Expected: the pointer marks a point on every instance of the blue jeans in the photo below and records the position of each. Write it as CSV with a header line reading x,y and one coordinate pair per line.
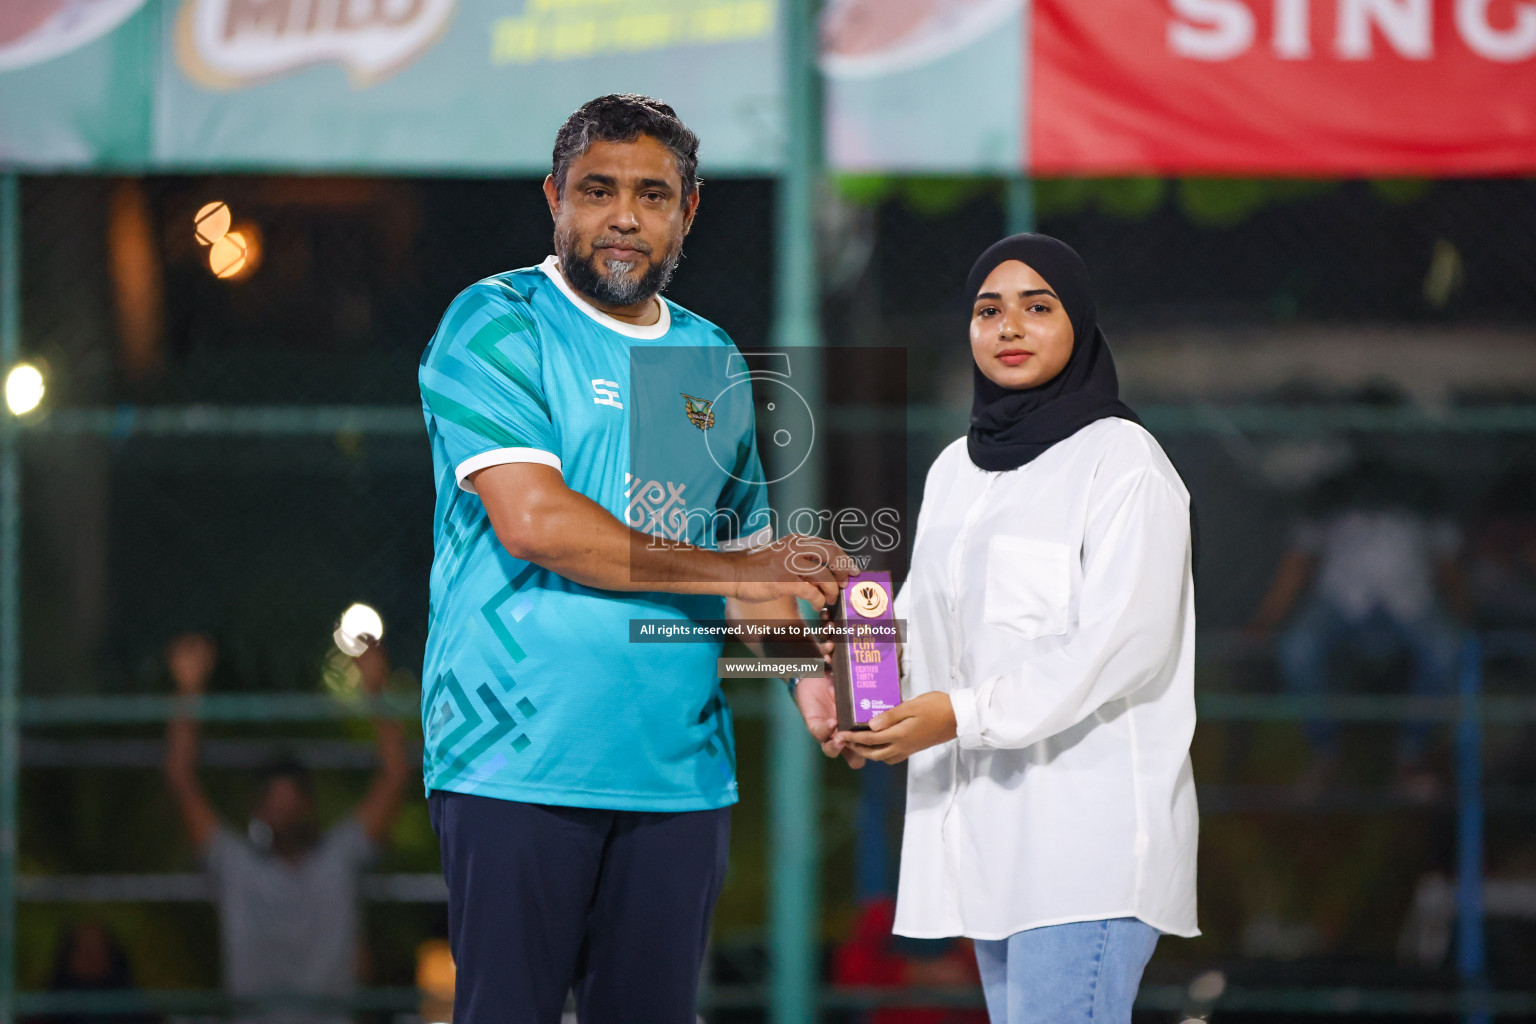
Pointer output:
x,y
1306,648
1066,973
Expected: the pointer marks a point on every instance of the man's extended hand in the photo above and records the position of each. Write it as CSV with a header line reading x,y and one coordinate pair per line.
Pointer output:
x,y
817,700
796,565
813,695
913,725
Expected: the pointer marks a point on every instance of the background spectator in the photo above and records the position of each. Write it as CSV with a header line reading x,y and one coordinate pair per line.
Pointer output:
x,y
89,958
1371,570
1501,573
287,893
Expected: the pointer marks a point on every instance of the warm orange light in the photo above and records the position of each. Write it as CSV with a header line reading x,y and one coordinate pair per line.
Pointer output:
x,y
435,979
237,253
212,222
226,257
434,969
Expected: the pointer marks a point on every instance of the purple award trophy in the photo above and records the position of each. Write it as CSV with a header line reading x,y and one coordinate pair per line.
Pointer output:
x,y
865,675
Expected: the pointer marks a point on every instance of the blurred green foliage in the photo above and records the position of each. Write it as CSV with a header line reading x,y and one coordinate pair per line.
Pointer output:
x,y
1208,202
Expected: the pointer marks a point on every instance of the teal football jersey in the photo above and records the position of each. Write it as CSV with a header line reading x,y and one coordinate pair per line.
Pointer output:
x,y
533,687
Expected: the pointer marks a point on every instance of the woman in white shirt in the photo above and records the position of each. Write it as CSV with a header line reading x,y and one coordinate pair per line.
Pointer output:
x,y
1049,666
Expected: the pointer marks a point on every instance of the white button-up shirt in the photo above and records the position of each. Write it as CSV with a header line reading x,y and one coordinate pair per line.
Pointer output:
x,y
1054,604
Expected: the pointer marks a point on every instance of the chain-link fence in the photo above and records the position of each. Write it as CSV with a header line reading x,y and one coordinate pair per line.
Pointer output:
x,y
244,455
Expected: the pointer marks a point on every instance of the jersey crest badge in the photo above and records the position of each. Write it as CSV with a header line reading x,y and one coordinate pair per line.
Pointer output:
x,y
700,411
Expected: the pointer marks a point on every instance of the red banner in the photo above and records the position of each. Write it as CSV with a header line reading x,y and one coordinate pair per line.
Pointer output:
x,y
1336,87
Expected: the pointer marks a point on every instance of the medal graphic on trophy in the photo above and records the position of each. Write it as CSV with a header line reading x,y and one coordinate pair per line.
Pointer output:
x,y
868,598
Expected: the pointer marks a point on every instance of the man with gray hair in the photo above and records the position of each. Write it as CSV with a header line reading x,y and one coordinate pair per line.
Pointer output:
x,y
579,778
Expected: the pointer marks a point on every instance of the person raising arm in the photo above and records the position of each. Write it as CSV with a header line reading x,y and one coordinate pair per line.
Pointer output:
x,y
190,658
380,806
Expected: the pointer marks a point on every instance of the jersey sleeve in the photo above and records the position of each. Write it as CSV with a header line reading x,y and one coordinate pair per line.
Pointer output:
x,y
481,385
743,516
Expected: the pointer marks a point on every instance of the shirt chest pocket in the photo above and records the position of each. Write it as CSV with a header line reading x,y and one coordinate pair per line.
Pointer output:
x,y
1029,585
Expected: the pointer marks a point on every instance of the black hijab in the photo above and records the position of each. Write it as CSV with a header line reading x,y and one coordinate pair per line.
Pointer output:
x,y
1011,426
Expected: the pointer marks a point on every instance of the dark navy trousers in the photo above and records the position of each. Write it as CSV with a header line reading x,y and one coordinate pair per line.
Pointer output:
x,y
542,900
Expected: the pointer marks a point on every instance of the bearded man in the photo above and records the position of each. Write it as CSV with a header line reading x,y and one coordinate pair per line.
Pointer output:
x,y
595,472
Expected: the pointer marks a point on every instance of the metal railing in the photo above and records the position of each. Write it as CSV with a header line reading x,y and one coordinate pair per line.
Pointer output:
x,y
1473,1001
1467,711
795,848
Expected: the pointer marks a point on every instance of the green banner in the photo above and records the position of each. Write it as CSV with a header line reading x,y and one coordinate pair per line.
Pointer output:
x,y
76,83
934,87
479,86
475,86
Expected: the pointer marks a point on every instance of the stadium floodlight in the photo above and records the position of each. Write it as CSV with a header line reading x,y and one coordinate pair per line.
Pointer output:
x,y
359,627
24,389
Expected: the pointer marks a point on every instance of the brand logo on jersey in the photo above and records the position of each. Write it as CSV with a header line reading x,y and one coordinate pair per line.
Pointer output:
x,y
606,392
656,508
700,411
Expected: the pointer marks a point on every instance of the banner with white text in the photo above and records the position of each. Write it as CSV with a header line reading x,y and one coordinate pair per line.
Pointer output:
x,y
1282,87
1052,87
